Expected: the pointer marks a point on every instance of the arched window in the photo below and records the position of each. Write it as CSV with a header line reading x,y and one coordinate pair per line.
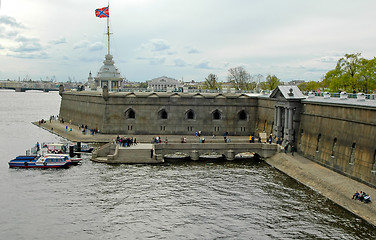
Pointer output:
x,y
130,113
242,115
265,123
162,114
216,115
352,156
318,142
190,114
334,146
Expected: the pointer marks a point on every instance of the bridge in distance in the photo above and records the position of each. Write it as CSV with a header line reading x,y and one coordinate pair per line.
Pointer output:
x,y
45,86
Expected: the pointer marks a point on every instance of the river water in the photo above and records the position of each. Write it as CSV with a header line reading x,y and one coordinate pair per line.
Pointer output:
x,y
167,201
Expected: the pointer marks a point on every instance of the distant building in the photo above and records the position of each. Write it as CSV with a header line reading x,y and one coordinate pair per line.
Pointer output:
x,y
164,83
295,82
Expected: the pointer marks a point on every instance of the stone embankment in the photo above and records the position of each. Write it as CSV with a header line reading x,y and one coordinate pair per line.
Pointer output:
x,y
330,184
336,187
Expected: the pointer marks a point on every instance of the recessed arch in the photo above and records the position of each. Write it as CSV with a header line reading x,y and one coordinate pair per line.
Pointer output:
x,y
190,114
242,115
162,114
130,113
352,155
334,146
318,142
216,115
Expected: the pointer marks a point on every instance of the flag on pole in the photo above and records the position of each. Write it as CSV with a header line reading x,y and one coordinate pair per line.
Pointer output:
x,y
102,12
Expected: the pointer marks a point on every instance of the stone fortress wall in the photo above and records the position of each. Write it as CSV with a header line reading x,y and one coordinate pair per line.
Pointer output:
x,y
339,136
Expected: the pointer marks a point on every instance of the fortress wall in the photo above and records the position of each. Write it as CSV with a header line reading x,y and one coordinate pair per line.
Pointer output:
x,y
265,116
83,109
111,116
347,141
147,110
340,137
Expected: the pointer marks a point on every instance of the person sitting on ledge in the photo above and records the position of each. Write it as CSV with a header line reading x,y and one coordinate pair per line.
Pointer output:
x,y
356,195
367,198
361,196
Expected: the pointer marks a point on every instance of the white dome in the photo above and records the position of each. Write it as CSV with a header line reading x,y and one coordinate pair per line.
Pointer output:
x,y
108,71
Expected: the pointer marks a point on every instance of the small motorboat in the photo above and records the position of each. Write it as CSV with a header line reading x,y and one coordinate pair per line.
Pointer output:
x,y
47,161
245,156
62,149
212,156
175,157
82,148
248,156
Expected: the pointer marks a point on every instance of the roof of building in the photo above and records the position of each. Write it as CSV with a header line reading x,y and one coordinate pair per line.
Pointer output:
x,y
108,71
165,80
287,92
341,101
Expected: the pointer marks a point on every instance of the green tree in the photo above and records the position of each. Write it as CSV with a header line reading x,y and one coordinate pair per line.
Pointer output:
x,y
271,82
211,82
367,75
346,74
240,78
309,86
143,85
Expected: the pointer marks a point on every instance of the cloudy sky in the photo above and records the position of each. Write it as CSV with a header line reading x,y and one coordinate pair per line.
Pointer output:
x,y
292,39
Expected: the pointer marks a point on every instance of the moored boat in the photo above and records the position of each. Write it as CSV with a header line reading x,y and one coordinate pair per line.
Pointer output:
x,y
47,161
63,150
82,148
212,156
245,156
174,157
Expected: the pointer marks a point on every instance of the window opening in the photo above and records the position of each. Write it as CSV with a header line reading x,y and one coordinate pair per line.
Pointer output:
x,y
318,142
216,115
352,155
334,146
242,115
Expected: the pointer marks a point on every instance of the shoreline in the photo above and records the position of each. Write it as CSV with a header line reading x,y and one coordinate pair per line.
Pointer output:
x,y
334,186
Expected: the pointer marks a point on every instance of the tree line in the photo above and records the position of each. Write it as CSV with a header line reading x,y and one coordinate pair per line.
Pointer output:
x,y
351,74
242,80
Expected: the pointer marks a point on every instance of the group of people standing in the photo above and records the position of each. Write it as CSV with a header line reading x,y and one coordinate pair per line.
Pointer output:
x,y
126,141
158,139
362,196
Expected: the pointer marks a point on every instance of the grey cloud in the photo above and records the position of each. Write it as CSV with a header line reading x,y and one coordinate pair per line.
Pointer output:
x,y
96,46
84,44
160,45
27,44
156,45
59,41
28,47
10,21
153,60
329,59
26,39
40,55
192,51
204,65
180,62
81,44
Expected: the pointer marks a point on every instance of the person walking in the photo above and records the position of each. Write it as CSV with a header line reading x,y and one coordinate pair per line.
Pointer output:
x,y
292,149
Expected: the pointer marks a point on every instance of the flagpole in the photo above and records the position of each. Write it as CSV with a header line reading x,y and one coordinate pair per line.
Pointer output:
x,y
108,31
108,35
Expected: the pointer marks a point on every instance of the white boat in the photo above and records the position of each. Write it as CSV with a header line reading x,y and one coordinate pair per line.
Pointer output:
x,y
47,161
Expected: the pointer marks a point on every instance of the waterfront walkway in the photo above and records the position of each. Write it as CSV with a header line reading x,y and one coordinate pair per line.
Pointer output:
x,y
330,184
76,135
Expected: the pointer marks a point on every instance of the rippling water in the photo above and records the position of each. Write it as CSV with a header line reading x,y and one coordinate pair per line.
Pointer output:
x,y
168,201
